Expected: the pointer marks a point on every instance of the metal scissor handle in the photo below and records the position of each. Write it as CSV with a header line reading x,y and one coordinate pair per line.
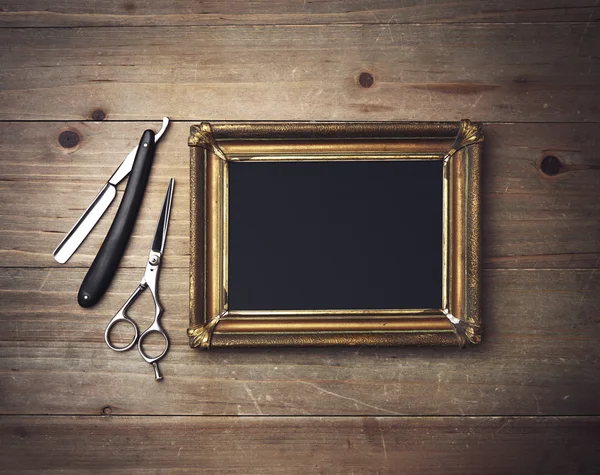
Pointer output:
x,y
154,328
122,316
150,280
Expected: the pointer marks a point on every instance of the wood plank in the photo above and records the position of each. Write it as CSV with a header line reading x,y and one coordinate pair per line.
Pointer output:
x,y
533,220
528,217
539,355
490,72
300,445
214,12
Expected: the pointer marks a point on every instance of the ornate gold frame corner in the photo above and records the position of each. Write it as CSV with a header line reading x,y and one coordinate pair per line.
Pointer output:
x,y
214,145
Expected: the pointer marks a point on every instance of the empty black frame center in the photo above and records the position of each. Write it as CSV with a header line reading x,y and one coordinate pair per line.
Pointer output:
x,y
335,235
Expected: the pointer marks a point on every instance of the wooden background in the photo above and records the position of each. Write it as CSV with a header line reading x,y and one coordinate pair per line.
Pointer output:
x,y
525,401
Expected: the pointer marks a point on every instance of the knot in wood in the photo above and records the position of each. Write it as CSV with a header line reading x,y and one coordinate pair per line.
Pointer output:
x,y
366,80
68,139
550,165
98,115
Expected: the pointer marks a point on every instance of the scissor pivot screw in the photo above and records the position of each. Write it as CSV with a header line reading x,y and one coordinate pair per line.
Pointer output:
x,y
154,259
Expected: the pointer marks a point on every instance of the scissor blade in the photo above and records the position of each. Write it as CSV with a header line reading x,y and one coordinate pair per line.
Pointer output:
x,y
84,225
160,236
125,167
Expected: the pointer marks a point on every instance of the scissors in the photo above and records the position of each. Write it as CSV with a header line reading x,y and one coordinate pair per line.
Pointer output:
x,y
149,281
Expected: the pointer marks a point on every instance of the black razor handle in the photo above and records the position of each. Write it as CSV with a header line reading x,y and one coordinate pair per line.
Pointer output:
x,y
104,267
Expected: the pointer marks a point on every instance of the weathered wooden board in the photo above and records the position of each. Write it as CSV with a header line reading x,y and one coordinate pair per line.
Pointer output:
x,y
533,220
274,445
539,356
137,60
214,12
529,218
489,72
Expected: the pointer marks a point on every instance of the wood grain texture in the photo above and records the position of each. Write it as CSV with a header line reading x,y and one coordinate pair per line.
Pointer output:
x,y
300,445
239,12
539,356
528,219
528,70
537,72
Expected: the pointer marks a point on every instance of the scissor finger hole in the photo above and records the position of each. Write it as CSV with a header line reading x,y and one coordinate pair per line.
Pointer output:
x,y
153,344
121,334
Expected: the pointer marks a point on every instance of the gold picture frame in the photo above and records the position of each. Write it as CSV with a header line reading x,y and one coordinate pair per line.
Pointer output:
x,y
214,145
